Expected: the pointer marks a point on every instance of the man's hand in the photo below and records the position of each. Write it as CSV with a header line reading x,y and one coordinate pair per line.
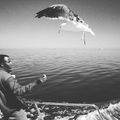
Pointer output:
x,y
43,78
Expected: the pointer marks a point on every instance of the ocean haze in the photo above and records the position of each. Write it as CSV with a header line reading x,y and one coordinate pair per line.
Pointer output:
x,y
74,75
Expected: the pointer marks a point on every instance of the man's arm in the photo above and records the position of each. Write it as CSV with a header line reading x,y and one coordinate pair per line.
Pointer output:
x,y
19,89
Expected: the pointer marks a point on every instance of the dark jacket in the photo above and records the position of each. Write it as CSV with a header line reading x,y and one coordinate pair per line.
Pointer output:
x,y
11,90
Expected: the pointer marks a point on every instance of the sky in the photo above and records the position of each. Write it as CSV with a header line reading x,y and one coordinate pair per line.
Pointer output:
x,y
20,29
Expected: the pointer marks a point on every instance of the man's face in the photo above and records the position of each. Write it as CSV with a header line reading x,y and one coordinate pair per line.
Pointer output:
x,y
7,63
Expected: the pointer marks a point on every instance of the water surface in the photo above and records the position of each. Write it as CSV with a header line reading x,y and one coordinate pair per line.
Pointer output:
x,y
74,75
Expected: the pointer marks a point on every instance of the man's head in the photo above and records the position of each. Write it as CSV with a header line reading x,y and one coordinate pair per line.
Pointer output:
x,y
5,62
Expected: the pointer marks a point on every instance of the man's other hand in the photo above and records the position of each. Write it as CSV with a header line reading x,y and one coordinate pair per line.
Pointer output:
x,y
43,78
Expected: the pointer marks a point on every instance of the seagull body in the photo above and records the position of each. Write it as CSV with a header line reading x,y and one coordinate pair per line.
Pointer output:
x,y
62,12
76,26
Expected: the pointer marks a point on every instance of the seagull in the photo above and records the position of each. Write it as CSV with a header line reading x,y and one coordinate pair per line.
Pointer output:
x,y
73,21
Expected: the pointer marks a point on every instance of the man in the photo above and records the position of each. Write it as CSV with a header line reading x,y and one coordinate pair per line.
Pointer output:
x,y
10,91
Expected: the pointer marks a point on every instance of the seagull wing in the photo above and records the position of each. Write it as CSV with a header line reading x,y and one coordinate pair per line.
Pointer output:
x,y
54,11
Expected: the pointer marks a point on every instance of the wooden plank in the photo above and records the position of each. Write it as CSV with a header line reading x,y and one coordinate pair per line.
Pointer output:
x,y
64,104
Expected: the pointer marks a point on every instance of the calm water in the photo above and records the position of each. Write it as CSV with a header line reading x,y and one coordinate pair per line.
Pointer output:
x,y
74,75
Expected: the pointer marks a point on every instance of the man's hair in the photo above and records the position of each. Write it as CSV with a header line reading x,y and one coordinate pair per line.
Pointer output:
x,y
2,58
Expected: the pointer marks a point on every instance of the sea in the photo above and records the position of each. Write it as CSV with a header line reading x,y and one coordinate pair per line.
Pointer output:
x,y
74,75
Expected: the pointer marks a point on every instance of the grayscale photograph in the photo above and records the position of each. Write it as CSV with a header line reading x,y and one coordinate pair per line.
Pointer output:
x,y
59,60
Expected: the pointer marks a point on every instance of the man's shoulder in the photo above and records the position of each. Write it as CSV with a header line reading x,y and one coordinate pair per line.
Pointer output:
x,y
4,75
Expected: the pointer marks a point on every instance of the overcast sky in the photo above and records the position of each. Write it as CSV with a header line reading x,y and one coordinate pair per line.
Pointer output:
x,y
20,29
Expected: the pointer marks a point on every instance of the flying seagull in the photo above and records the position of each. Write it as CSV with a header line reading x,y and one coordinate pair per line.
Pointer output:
x,y
62,12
